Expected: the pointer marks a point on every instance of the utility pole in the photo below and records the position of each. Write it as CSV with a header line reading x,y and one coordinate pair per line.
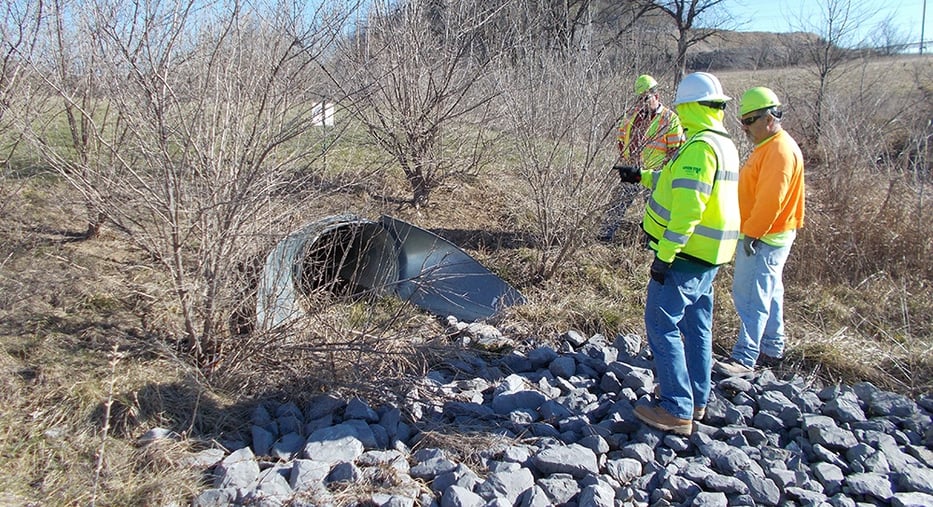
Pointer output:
x,y
923,22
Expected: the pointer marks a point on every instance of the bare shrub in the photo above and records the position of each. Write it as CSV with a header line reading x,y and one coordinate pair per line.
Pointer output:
x,y
867,187
18,31
860,261
837,26
413,75
343,344
184,123
561,124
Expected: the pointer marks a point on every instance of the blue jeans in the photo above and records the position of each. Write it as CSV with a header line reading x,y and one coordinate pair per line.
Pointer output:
x,y
682,306
758,293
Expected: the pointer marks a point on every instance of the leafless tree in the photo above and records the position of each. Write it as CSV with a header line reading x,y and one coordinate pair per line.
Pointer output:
x,y
887,38
19,24
413,75
837,26
559,110
69,67
185,120
695,21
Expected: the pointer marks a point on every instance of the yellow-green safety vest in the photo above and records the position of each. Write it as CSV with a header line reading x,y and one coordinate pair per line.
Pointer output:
x,y
693,212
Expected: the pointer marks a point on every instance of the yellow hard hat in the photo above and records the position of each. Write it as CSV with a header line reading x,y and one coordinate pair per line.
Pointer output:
x,y
757,98
644,83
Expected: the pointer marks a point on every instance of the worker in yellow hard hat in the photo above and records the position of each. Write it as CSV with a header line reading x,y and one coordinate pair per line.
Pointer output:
x,y
771,201
648,137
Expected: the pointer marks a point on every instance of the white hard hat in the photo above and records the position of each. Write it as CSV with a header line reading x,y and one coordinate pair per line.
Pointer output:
x,y
700,86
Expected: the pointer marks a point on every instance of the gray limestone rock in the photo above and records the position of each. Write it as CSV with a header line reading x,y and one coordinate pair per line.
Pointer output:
x,y
911,500
203,459
805,496
597,495
359,409
870,485
430,468
886,403
832,437
916,479
262,440
567,418
572,459
725,458
508,485
389,500
559,488
629,345
335,444
574,338
308,475
216,497
271,488
830,476
324,405
844,410
286,447
760,488
624,470
563,367
710,499
456,496
461,476
238,470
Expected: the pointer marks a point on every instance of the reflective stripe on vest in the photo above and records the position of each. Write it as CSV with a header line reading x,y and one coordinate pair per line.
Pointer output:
x,y
713,240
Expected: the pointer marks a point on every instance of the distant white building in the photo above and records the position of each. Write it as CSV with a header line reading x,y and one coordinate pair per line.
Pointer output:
x,y
322,114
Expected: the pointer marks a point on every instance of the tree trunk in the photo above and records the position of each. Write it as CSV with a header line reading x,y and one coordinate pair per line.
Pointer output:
x,y
421,191
94,224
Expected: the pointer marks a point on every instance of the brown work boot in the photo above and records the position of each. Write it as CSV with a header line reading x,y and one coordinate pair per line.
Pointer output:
x,y
732,368
770,362
657,417
698,412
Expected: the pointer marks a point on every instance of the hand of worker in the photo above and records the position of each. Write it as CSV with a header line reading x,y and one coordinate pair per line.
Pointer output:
x,y
659,270
628,173
750,245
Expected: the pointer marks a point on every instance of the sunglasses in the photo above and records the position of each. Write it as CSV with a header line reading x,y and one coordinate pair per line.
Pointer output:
x,y
751,119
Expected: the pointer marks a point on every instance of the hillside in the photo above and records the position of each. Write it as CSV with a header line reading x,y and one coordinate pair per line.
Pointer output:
x,y
731,50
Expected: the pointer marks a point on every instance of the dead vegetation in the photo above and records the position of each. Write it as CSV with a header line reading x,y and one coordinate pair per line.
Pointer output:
x,y
95,347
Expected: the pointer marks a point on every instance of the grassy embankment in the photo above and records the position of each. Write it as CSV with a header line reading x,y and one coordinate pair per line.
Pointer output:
x,y
79,336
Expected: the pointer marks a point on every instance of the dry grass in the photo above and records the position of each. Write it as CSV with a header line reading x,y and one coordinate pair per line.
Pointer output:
x,y
470,448
859,307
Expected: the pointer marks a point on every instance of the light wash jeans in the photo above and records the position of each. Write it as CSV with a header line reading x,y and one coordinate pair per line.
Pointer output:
x,y
683,305
758,294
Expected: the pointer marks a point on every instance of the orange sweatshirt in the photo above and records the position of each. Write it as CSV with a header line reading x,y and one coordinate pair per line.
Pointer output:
x,y
771,189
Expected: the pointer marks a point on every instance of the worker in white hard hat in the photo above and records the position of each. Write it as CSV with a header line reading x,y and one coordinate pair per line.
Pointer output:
x,y
692,223
648,138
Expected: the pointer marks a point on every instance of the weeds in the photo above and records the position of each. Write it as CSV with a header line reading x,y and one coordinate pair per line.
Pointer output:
x,y
105,430
859,307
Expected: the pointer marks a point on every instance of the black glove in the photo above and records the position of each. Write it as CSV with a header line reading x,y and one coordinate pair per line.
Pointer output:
x,y
628,173
659,270
750,245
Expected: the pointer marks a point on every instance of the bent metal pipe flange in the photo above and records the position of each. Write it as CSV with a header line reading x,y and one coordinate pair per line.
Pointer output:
x,y
349,255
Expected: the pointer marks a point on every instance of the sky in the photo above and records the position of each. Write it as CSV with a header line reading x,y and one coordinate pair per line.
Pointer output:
x,y
785,15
